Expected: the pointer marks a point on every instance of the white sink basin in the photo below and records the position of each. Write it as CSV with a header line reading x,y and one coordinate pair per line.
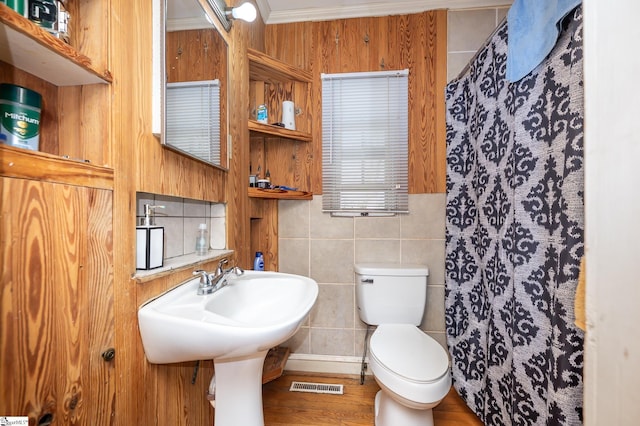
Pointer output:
x,y
252,313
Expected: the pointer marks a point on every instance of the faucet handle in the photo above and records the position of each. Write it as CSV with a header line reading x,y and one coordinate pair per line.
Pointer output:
x,y
204,277
222,262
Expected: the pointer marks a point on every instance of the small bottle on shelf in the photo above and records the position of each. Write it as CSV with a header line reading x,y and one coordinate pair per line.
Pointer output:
x,y
258,262
202,245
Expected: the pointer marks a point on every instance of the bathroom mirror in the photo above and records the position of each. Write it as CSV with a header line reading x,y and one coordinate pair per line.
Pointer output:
x,y
194,92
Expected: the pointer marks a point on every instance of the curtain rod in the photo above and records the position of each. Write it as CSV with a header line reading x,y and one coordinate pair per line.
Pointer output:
x,y
486,42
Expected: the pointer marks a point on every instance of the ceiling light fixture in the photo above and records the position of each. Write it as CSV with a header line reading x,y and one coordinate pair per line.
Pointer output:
x,y
246,12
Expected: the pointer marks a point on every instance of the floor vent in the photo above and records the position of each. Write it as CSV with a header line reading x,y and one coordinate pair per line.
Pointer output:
x,y
316,388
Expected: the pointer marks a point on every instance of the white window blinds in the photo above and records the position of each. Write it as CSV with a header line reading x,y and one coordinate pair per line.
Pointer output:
x,y
193,118
365,143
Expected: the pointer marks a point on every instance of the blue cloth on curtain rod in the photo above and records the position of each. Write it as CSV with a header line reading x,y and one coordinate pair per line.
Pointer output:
x,y
514,234
534,26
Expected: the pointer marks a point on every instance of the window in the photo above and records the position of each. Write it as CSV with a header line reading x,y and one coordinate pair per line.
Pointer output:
x,y
193,118
365,143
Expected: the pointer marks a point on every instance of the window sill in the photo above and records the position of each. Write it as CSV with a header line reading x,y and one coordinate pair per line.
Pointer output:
x,y
179,263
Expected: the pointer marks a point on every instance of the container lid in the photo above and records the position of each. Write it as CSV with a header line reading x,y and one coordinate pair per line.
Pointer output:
x,y
392,269
408,352
202,226
19,94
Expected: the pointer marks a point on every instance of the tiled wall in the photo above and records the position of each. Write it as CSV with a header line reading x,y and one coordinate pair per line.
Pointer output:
x,y
181,218
325,248
467,31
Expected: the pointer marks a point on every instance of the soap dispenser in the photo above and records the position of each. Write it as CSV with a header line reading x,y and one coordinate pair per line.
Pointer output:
x,y
149,241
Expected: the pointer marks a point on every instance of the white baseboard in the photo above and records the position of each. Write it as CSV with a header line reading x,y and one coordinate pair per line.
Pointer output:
x,y
325,364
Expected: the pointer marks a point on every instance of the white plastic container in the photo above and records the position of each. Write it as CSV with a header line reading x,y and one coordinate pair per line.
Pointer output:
x,y
258,262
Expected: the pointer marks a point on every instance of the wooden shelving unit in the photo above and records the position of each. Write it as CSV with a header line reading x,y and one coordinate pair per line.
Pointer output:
x,y
273,81
267,71
282,152
33,51
30,48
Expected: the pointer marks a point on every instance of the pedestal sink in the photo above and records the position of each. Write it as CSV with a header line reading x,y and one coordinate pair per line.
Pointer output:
x,y
235,326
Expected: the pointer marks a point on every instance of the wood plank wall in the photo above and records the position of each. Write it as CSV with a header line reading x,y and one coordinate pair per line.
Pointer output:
x,y
165,394
55,246
416,42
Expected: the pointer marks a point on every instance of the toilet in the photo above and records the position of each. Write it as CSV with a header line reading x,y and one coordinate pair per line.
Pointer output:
x,y
410,367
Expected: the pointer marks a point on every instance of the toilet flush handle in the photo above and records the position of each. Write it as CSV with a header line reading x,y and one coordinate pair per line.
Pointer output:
x,y
366,280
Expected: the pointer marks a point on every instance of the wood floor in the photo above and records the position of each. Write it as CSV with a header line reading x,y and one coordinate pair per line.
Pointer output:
x,y
354,408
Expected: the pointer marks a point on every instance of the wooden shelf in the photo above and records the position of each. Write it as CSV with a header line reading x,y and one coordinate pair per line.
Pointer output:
x,y
269,129
265,68
279,194
30,48
24,164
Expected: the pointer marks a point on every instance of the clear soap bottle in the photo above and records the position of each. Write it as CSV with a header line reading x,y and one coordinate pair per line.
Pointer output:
x,y
202,245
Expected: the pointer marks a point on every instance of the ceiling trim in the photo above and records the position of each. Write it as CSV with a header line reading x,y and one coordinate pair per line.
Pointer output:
x,y
264,8
182,24
371,9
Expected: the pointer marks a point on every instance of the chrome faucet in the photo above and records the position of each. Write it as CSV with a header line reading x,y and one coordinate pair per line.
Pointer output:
x,y
210,283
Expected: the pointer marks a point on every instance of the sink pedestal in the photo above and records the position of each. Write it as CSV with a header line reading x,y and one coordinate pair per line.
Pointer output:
x,y
238,393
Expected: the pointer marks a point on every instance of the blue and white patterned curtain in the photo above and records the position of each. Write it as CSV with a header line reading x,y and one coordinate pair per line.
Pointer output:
x,y
515,224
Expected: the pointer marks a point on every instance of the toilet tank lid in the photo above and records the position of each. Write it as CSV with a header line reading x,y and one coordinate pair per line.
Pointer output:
x,y
392,269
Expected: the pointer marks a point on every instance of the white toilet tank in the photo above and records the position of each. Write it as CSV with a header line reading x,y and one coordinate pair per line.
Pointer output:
x,y
391,293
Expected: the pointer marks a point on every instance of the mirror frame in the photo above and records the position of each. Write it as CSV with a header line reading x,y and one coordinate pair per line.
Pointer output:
x,y
160,75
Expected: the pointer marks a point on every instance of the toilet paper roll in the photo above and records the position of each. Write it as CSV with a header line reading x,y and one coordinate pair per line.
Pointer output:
x,y
288,115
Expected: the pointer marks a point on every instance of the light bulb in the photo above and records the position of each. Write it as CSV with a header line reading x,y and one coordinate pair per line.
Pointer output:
x,y
246,12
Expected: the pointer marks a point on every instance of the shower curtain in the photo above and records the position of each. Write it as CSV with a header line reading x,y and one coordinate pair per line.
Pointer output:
x,y
514,234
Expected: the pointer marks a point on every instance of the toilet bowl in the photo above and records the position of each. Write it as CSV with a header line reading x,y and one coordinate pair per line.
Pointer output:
x,y
410,367
412,371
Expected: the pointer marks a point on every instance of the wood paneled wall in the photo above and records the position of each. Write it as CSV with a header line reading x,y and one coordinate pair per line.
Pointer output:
x,y
149,394
57,302
416,42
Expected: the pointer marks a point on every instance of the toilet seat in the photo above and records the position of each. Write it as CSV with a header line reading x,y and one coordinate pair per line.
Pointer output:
x,y
410,363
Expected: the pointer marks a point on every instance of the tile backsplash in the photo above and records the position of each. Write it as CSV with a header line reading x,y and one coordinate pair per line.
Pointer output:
x,y
181,218
325,248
